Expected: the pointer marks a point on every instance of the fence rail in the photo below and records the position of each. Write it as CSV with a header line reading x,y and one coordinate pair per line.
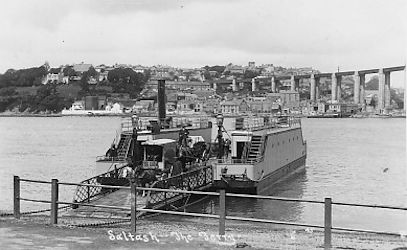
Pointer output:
x,y
222,204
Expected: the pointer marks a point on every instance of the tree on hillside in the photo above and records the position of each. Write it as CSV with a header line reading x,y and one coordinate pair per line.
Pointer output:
x,y
23,77
216,68
248,74
126,80
69,71
373,83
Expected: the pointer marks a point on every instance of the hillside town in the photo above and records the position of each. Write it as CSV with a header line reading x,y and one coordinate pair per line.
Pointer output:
x,y
230,89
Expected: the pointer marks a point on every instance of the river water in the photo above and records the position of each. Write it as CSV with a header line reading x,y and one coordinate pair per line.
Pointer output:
x,y
346,161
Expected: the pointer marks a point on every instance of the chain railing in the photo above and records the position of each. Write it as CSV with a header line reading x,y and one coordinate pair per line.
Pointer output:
x,y
195,179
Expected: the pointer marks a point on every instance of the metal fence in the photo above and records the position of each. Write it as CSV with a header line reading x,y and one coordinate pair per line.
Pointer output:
x,y
221,216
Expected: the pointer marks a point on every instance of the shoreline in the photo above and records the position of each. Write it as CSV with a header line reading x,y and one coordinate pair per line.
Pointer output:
x,y
173,232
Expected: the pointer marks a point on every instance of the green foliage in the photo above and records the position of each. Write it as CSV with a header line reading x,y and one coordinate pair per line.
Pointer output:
x,y
373,83
69,71
207,75
398,99
8,91
216,68
126,80
248,74
22,77
46,99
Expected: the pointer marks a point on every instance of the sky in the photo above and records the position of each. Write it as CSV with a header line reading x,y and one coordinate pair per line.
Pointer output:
x,y
323,34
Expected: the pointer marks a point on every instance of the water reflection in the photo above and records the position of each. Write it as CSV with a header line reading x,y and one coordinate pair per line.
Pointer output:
x,y
291,187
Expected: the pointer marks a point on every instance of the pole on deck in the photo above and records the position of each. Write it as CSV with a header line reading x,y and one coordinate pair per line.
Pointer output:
x,y
133,206
222,211
54,201
16,197
328,224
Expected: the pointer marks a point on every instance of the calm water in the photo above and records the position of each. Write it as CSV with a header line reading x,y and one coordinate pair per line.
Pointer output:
x,y
346,159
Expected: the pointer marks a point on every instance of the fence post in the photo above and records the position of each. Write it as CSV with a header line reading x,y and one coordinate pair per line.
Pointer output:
x,y
133,206
222,211
16,197
328,223
54,201
88,191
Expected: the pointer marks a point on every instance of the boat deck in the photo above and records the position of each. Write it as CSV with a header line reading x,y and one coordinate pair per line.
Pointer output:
x,y
119,198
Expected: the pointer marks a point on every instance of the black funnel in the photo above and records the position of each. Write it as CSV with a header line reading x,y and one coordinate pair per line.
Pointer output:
x,y
161,101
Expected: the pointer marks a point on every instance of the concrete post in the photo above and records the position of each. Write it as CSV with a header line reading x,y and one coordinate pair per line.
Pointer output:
x,y
312,88
273,84
339,88
333,87
381,91
253,84
387,100
234,87
362,89
356,88
292,83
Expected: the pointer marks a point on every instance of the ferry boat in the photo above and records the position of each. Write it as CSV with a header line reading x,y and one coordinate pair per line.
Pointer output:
x,y
248,153
263,151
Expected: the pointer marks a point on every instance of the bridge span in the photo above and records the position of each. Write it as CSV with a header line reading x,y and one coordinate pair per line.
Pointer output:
x,y
359,77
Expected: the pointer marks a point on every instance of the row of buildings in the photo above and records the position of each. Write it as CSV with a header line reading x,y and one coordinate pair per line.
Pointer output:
x,y
230,71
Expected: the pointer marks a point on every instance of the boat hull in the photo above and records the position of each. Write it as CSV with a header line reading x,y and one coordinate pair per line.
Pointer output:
x,y
264,185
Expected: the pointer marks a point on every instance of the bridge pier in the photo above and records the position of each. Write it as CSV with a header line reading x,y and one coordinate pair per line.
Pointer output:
x,y
292,83
356,88
381,91
312,88
273,84
339,88
362,88
387,101
405,88
253,84
333,87
317,89
234,86
297,84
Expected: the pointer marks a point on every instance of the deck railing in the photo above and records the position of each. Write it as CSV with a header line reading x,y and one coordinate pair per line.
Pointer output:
x,y
84,193
194,179
327,203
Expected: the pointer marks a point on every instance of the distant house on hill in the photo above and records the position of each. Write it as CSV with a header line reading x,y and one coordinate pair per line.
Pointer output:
x,y
82,67
234,106
55,75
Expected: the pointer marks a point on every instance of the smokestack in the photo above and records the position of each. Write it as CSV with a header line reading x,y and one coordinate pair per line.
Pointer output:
x,y
161,101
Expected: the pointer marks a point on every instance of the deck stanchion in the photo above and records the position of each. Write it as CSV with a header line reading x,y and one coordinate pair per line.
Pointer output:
x,y
54,201
133,206
16,197
222,211
328,223
88,192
